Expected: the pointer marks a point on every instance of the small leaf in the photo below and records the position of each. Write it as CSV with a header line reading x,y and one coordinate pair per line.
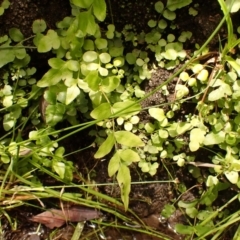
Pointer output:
x,y
214,138
128,155
56,63
101,43
197,137
99,9
110,83
93,80
50,78
168,210
159,7
124,181
232,176
20,53
105,147
128,139
103,111
184,229
16,35
39,26
105,57
114,164
8,122
126,108
220,92
90,56
182,127
46,43
59,168
82,3
54,113
6,55
72,93
103,72
157,113
175,4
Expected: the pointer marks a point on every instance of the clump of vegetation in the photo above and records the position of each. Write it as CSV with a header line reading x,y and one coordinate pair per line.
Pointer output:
x,y
92,75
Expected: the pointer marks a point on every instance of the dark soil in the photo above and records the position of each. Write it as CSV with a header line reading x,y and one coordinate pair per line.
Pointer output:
x,y
147,200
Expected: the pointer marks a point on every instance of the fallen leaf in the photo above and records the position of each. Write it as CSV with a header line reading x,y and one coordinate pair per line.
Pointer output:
x,y
56,217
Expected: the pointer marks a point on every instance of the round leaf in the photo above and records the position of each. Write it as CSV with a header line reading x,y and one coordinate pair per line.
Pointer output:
x,y
157,113
39,26
101,43
16,35
90,56
103,111
105,57
159,7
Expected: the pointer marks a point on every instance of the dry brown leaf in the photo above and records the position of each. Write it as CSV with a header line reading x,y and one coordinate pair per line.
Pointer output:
x,y
56,218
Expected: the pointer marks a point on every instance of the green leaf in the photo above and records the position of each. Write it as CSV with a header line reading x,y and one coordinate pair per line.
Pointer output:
x,y
232,176
168,210
101,43
6,55
39,26
159,7
79,26
7,101
110,83
54,113
16,35
72,93
233,5
103,111
126,108
93,80
220,92
72,65
4,157
175,4
182,127
184,229
46,43
116,51
157,113
56,63
103,72
131,58
8,122
105,57
82,3
128,139
129,156
5,4
20,53
124,181
59,168
99,9
106,146
114,164
197,137
234,64
214,138
91,26
52,77
90,56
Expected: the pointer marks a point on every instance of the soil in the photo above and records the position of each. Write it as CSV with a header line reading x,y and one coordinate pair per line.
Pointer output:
x,y
146,200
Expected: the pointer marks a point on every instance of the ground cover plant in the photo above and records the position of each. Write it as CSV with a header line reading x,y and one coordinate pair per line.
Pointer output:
x,y
115,113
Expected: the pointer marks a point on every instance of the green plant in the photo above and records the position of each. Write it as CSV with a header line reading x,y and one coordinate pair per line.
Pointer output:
x,y
93,75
